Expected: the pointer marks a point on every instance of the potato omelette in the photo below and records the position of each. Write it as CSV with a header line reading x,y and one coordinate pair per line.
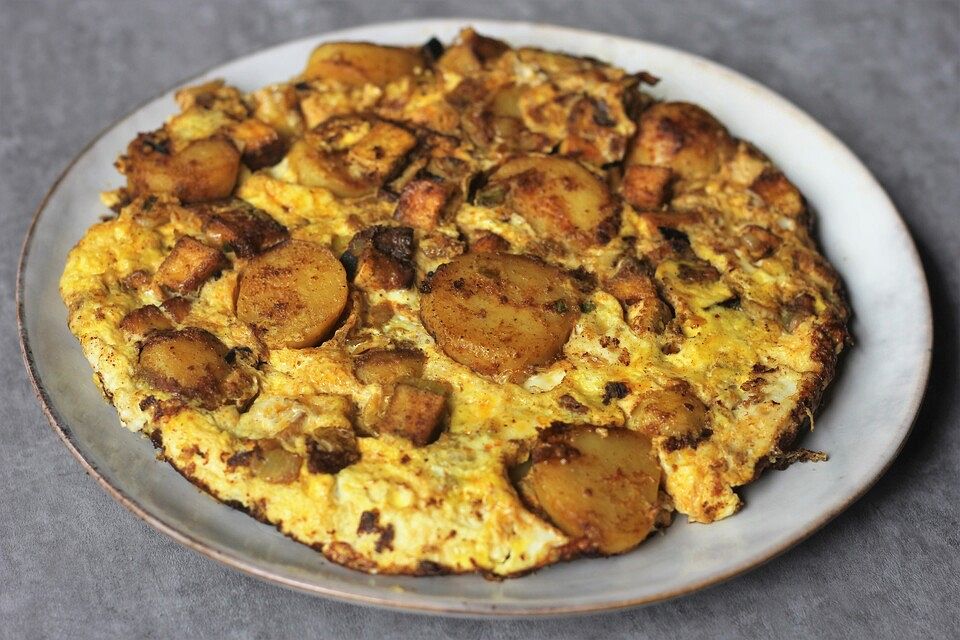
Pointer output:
x,y
462,308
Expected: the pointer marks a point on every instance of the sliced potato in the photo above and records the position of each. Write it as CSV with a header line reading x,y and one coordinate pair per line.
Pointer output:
x,y
359,63
274,464
240,227
350,156
674,412
189,265
416,411
144,320
597,485
386,366
205,169
499,313
634,287
188,362
560,198
293,294
682,137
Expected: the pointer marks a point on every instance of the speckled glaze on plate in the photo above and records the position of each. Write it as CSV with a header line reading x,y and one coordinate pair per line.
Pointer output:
x,y
863,423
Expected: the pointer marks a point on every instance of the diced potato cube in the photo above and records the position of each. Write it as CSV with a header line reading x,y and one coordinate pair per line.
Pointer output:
x,y
261,144
646,187
241,227
422,203
381,258
635,288
189,265
415,413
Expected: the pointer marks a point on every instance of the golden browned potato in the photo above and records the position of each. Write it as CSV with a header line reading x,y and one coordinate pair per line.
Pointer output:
x,y
416,411
261,144
202,170
358,63
188,362
559,197
350,156
499,313
597,485
422,203
272,463
189,265
144,320
177,308
293,294
596,132
646,187
386,366
238,226
634,287
779,193
488,242
380,258
674,412
470,53
682,137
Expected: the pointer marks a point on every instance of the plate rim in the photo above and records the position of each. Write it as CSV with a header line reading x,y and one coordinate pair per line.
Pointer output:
x,y
473,610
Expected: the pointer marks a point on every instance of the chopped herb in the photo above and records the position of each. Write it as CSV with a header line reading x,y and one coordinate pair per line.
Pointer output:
x,y
560,306
587,306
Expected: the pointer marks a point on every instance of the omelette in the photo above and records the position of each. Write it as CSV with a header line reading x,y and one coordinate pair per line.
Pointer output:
x,y
464,308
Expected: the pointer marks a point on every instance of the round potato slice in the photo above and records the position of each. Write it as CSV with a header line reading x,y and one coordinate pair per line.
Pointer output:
x,y
499,313
597,485
674,412
203,170
189,362
560,198
682,137
293,294
359,63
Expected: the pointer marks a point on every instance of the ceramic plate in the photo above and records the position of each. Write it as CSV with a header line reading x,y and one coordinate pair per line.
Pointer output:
x,y
863,424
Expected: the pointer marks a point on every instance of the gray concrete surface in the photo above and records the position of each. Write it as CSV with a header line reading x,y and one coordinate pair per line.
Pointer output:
x,y
883,75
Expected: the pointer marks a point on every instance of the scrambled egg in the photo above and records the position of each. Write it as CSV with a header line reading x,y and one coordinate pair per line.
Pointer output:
x,y
698,315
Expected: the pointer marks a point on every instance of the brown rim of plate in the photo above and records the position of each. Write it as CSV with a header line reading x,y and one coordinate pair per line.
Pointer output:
x,y
467,610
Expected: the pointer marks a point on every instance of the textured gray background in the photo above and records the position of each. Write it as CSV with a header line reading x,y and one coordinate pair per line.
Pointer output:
x,y
883,75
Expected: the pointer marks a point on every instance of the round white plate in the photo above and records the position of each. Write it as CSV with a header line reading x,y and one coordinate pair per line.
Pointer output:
x,y
863,424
